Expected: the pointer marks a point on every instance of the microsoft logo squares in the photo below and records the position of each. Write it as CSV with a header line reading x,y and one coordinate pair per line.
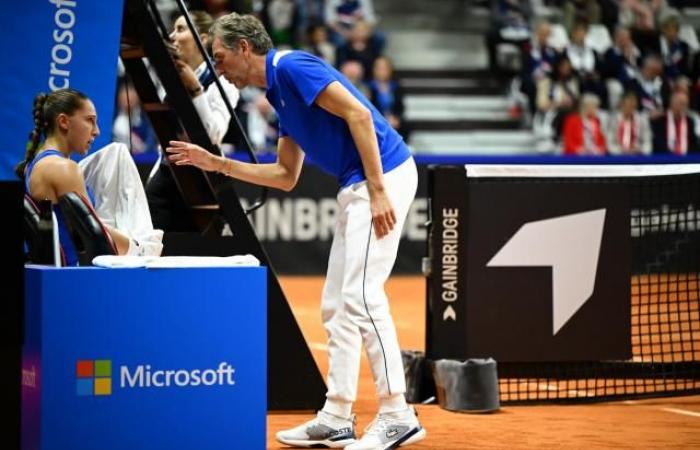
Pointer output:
x,y
94,377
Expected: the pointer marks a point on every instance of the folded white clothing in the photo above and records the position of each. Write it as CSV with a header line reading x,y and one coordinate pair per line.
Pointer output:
x,y
122,261
164,262
203,261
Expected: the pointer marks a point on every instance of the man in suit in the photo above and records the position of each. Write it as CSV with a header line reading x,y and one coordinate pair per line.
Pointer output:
x,y
674,51
675,131
650,86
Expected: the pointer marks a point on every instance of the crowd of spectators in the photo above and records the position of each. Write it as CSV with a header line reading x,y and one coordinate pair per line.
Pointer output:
x,y
613,77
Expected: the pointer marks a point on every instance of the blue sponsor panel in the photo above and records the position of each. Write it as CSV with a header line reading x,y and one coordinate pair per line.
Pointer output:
x,y
56,44
145,358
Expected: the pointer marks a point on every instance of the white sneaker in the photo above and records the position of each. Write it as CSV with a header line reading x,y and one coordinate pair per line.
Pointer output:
x,y
324,431
390,431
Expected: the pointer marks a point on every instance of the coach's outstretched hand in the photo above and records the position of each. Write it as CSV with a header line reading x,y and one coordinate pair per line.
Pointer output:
x,y
188,154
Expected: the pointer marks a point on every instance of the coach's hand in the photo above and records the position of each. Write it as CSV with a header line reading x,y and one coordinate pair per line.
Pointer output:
x,y
383,215
187,154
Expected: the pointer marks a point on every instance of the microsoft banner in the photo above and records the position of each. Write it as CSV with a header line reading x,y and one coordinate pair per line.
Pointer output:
x,y
54,44
153,360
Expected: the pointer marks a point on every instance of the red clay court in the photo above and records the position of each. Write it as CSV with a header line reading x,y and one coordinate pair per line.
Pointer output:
x,y
656,423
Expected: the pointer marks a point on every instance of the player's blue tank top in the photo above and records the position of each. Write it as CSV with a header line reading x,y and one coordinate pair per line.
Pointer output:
x,y
69,250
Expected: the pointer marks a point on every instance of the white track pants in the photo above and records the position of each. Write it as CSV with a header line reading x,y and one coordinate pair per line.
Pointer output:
x,y
120,200
354,306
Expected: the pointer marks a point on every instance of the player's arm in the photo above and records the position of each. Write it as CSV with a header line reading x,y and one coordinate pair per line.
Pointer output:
x,y
66,177
282,174
337,100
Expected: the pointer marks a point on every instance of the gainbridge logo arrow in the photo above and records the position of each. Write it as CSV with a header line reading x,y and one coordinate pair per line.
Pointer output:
x,y
570,245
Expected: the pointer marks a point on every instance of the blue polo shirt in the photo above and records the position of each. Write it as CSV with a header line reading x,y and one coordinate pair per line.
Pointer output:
x,y
294,80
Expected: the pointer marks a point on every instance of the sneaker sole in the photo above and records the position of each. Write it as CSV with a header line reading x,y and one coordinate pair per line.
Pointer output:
x,y
414,436
317,444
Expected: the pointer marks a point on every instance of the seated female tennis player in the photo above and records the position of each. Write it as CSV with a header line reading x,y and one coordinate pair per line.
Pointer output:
x,y
67,120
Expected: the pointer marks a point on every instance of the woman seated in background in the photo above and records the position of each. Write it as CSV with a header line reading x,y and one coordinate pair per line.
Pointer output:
x,y
68,121
386,94
198,79
628,131
557,96
168,210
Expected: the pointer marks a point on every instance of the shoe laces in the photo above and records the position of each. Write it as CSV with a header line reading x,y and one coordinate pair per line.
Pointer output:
x,y
379,425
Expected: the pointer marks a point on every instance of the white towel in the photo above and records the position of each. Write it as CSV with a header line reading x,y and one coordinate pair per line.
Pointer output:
x,y
165,262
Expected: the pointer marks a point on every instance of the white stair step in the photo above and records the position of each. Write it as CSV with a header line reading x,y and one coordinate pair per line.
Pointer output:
x,y
447,113
473,143
432,50
446,107
485,102
440,82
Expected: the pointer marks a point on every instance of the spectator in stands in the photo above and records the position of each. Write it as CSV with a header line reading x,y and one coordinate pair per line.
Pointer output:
x,y
576,11
318,43
649,86
354,72
583,58
641,14
540,60
583,132
621,61
263,117
676,131
628,130
556,98
282,19
131,126
675,53
585,62
510,23
620,64
681,84
685,85
386,94
342,15
359,48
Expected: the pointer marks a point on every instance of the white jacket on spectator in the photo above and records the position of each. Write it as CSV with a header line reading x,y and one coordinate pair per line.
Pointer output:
x,y
583,59
629,137
211,107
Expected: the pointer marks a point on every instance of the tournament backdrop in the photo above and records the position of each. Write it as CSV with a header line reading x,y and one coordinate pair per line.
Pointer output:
x,y
54,44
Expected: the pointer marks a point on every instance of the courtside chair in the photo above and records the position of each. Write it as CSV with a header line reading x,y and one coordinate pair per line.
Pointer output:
x,y
88,233
38,232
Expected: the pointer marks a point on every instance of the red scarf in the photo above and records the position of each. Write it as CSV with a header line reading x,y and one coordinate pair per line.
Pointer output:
x,y
676,134
592,137
627,132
